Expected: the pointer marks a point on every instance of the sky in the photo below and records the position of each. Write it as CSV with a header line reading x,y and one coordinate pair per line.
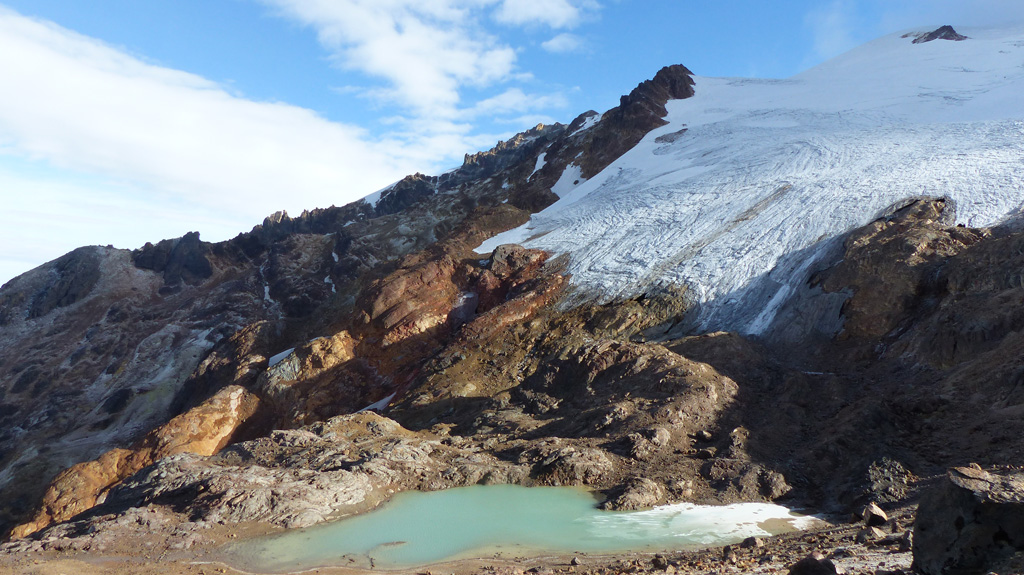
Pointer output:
x,y
123,122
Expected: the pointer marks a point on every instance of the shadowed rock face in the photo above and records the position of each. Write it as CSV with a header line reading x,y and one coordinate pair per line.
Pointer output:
x,y
76,274
942,33
204,430
890,267
181,260
970,522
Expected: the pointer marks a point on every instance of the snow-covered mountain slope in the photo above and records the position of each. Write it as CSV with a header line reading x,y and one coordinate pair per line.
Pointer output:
x,y
738,196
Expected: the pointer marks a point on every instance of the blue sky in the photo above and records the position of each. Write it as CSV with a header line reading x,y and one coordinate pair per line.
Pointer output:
x,y
123,122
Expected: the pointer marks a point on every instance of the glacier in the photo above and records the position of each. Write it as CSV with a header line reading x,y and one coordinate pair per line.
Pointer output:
x,y
748,186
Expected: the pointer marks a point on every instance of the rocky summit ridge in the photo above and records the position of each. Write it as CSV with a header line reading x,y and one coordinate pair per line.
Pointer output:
x,y
316,365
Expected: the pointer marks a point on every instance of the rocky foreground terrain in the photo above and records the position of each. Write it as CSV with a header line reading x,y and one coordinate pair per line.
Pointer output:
x,y
157,403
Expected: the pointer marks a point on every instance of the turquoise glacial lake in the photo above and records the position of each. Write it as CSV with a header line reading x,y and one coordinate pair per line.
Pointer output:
x,y
419,528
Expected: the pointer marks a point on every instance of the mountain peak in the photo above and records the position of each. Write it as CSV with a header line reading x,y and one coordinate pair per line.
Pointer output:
x,y
943,33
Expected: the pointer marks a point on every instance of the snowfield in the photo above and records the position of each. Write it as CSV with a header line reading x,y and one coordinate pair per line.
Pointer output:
x,y
740,193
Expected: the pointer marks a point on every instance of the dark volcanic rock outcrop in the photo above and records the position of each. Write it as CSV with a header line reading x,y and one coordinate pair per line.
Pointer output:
x,y
638,113
180,260
75,275
970,522
942,33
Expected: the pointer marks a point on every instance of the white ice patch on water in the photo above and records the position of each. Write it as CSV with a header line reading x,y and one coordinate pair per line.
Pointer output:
x,y
692,523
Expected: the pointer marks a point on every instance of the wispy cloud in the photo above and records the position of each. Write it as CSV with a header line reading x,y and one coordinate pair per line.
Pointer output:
x,y
98,110
563,43
553,13
429,53
833,30
514,100
424,50
95,122
87,131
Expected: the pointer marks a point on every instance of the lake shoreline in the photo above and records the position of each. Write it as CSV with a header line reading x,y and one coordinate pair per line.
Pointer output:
x,y
142,554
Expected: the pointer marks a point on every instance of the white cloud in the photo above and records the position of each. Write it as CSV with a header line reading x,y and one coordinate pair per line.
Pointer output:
x,y
833,30
74,109
425,50
429,52
514,100
197,154
563,43
79,104
553,13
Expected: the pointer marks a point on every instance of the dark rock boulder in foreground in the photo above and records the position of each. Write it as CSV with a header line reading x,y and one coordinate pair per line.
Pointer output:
x,y
815,564
970,523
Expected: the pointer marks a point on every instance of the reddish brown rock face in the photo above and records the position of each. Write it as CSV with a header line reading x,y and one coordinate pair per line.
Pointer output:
x,y
407,319
203,430
412,301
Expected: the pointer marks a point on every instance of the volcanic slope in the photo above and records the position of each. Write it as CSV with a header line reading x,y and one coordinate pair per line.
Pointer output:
x,y
101,348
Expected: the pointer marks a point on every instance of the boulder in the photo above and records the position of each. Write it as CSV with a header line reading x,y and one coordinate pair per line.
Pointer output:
x,y
873,515
969,522
869,534
752,543
509,259
815,564
576,466
640,493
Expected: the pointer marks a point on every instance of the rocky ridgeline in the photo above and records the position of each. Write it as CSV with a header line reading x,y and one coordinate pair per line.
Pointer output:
x,y
102,348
